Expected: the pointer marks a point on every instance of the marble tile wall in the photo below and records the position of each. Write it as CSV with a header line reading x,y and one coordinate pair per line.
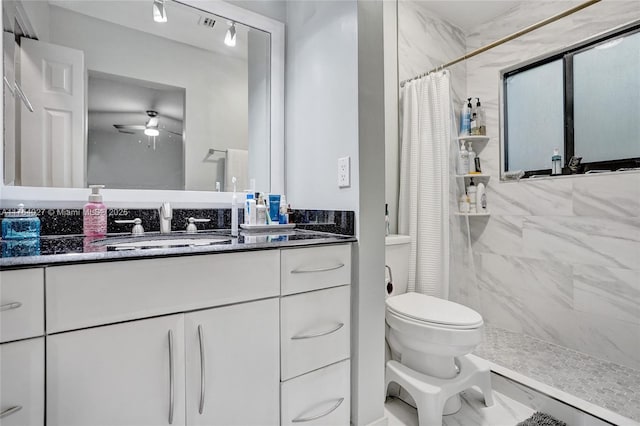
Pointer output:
x,y
559,259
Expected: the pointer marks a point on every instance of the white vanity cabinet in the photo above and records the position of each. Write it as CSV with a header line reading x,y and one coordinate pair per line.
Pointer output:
x,y
233,365
22,383
315,335
123,374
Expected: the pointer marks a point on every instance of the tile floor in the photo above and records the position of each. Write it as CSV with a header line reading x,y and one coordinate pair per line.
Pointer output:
x,y
599,382
504,412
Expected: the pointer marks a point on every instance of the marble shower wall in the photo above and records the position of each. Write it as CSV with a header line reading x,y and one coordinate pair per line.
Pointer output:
x,y
558,259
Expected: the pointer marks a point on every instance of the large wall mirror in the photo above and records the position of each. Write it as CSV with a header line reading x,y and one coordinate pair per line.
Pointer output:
x,y
105,92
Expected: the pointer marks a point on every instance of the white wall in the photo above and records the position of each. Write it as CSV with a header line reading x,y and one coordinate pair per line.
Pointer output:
x,y
258,60
321,103
216,86
118,160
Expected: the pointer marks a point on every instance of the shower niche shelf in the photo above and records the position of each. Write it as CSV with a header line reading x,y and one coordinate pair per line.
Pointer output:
x,y
475,175
472,214
474,138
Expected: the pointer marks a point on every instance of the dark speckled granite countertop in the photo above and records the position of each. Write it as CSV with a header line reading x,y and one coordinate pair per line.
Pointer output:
x,y
78,249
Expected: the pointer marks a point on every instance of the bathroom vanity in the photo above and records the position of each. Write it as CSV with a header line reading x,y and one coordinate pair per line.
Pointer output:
x,y
226,334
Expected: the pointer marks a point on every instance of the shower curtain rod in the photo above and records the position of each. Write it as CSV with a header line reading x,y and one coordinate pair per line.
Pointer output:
x,y
507,38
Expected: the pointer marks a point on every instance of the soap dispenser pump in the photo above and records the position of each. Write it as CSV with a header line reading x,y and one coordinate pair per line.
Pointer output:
x,y
94,214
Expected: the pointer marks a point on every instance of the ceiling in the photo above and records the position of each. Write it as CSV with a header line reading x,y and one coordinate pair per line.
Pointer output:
x,y
183,23
468,14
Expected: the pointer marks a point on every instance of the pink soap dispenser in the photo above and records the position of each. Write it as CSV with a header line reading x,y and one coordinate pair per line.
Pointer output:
x,y
94,216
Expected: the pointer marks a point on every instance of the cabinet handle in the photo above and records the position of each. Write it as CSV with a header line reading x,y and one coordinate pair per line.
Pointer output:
x,y
8,306
171,377
323,333
319,416
305,271
202,368
10,411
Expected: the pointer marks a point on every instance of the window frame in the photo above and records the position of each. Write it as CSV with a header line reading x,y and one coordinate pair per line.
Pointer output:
x,y
566,54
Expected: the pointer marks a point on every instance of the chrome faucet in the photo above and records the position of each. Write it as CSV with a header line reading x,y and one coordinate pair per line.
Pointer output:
x,y
166,213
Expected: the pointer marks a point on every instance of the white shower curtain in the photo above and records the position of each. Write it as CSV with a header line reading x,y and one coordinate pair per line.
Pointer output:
x,y
425,181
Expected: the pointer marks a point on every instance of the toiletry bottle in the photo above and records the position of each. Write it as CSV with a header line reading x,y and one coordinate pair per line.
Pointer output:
x,y
250,210
20,224
95,214
472,192
463,160
556,162
387,225
261,212
465,122
481,198
284,217
482,123
234,209
474,124
464,203
472,159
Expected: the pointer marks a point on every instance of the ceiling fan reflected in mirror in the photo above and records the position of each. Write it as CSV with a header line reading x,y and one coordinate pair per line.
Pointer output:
x,y
150,128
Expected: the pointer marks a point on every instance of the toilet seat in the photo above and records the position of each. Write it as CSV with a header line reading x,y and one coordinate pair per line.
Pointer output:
x,y
430,310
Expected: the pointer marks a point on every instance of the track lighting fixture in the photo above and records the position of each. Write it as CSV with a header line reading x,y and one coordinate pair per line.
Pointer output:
x,y
230,38
159,11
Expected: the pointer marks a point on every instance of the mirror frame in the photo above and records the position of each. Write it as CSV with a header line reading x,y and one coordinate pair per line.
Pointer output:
x,y
10,196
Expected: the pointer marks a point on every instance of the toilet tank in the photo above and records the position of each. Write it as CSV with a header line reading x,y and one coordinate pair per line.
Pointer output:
x,y
397,257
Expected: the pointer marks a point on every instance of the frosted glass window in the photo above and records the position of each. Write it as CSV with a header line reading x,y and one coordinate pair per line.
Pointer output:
x,y
535,116
607,100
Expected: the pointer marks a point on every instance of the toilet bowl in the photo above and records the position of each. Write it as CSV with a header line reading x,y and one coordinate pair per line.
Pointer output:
x,y
431,337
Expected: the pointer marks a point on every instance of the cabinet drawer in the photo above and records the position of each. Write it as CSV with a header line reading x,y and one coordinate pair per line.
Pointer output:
x,y
22,384
315,268
315,330
318,398
100,293
22,304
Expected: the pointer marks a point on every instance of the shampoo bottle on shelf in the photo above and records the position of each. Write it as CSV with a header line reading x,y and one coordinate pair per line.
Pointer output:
x,y
481,198
463,160
481,119
472,159
472,191
94,214
465,119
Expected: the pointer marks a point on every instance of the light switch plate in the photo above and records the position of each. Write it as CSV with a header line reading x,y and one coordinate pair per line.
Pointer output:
x,y
344,172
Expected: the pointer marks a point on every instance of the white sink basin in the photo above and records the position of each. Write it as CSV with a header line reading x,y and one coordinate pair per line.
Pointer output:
x,y
163,242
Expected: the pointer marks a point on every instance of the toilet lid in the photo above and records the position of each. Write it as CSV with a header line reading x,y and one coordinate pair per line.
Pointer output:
x,y
433,310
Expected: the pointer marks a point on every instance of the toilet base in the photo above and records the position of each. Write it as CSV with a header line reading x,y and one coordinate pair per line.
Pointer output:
x,y
431,394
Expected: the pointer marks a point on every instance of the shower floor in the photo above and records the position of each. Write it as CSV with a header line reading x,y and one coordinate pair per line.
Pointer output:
x,y
603,383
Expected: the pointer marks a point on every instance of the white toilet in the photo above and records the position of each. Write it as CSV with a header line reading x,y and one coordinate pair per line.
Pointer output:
x,y
430,339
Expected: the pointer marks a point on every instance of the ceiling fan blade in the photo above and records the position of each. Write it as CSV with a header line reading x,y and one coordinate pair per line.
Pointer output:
x,y
173,133
129,126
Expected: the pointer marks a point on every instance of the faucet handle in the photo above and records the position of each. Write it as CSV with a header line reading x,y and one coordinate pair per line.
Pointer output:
x,y
137,225
191,227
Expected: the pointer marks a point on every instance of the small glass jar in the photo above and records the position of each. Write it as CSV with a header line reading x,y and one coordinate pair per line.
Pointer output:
x,y
20,224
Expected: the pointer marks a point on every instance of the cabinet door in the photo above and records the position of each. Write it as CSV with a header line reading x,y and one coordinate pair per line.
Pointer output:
x,y
239,381
22,383
123,374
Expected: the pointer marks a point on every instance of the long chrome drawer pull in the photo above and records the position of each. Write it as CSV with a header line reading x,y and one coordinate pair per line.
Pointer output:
x,y
323,333
305,271
202,370
319,416
171,377
10,411
8,306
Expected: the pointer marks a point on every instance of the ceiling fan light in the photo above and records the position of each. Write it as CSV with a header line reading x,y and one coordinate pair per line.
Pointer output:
x,y
150,131
230,38
159,11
